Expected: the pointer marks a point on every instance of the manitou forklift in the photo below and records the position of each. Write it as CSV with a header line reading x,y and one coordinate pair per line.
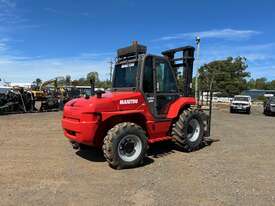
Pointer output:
x,y
144,106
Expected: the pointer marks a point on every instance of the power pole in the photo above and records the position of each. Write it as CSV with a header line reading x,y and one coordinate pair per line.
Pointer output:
x,y
198,40
111,70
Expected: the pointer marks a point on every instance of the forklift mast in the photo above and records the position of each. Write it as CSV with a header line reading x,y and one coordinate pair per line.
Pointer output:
x,y
185,61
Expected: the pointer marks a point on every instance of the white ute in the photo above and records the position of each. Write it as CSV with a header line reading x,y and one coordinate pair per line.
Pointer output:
x,y
241,103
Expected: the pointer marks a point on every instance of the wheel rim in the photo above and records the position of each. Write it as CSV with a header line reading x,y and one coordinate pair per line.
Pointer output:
x,y
129,148
193,131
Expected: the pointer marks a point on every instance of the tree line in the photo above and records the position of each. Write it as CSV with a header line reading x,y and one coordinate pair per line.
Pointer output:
x,y
95,77
67,81
261,83
228,77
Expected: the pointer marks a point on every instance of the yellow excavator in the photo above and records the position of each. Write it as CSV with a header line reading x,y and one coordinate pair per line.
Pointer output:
x,y
52,84
48,96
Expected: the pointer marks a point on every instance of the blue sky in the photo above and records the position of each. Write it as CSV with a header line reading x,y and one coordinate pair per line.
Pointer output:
x,y
49,38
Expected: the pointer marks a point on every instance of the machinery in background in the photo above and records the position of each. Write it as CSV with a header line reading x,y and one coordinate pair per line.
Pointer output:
x,y
269,106
16,100
50,95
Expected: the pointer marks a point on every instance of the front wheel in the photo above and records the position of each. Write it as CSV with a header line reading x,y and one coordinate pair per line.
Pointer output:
x,y
188,131
125,145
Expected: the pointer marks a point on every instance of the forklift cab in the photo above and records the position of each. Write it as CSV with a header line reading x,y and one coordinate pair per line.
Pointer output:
x,y
158,84
154,76
152,110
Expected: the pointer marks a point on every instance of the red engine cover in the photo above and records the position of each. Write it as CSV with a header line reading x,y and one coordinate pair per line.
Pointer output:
x,y
81,120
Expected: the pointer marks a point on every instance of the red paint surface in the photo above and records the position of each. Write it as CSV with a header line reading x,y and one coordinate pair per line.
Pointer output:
x,y
82,117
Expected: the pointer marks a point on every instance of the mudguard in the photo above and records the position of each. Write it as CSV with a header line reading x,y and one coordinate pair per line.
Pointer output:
x,y
176,106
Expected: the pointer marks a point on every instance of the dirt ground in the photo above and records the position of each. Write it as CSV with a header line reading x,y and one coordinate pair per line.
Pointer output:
x,y
39,167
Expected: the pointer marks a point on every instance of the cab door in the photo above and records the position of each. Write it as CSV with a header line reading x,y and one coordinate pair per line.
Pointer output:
x,y
166,90
148,83
159,85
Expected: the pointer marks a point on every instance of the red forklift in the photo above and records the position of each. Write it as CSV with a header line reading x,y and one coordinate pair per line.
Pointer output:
x,y
145,106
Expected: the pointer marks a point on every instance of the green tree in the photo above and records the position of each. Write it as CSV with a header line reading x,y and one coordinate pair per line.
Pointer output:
x,y
37,83
251,84
104,84
93,75
82,82
226,76
261,83
272,84
68,80
75,82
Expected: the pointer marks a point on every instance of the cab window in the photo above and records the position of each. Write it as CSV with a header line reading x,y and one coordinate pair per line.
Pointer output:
x,y
148,83
166,82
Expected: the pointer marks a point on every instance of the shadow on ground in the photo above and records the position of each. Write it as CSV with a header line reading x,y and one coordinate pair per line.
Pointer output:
x,y
161,149
91,154
156,150
96,155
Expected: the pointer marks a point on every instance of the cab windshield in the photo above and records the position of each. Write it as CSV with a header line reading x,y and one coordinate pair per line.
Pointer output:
x,y
244,99
125,75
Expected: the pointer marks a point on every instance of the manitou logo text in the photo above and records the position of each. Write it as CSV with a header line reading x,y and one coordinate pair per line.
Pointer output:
x,y
128,101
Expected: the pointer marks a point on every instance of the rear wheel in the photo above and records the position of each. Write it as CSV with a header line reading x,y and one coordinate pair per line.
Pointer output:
x,y
125,145
188,131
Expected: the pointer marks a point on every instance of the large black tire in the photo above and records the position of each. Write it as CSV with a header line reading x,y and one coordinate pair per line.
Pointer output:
x,y
125,145
183,131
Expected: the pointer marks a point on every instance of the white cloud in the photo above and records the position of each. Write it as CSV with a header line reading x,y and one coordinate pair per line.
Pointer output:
x,y
7,3
27,69
7,8
10,18
260,57
3,45
221,34
254,52
66,13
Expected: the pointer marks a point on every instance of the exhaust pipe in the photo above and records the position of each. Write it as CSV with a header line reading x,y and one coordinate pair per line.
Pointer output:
x,y
92,82
75,145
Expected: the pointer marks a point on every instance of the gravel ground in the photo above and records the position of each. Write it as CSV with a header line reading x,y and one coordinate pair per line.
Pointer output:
x,y
39,167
